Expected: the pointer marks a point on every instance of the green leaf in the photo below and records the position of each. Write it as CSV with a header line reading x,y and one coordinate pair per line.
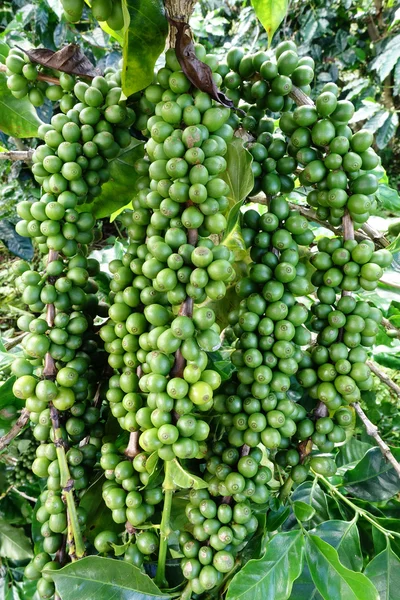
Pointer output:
x,y
366,111
332,579
351,453
238,174
373,478
304,588
14,544
344,537
271,577
396,77
120,188
15,243
17,117
223,307
387,130
240,179
103,579
233,238
386,60
303,511
276,518
377,120
384,572
144,40
7,396
271,14
178,518
310,493
99,516
389,197
184,479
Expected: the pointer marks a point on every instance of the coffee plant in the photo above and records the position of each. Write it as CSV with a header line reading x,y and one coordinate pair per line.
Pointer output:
x,y
189,418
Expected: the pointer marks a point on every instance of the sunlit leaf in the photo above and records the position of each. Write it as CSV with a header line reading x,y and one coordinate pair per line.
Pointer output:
x,y
271,14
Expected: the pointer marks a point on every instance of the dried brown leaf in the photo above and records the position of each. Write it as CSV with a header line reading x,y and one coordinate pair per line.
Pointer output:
x,y
198,73
69,59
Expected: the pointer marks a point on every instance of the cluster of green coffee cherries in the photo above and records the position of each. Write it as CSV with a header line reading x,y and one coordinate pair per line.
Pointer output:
x,y
267,81
52,517
348,265
22,78
170,84
268,334
102,10
220,518
260,84
128,491
336,162
19,471
79,143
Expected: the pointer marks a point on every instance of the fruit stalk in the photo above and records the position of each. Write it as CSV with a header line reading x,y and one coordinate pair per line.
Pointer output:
x,y
14,155
133,448
373,431
15,429
76,547
41,77
165,528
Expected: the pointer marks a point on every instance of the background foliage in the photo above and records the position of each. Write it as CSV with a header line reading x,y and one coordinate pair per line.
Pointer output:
x,y
357,45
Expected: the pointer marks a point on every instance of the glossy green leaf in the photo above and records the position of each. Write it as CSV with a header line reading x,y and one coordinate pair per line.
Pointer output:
x,y
120,189
223,307
276,518
238,174
103,579
240,179
7,396
271,14
99,516
380,540
15,243
389,197
384,572
351,453
304,588
373,478
270,577
14,544
17,117
331,578
386,60
309,493
178,518
144,40
387,130
233,238
303,511
183,478
344,537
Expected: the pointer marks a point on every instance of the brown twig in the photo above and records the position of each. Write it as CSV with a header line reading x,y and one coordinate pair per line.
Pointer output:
x,y
15,341
384,378
245,451
348,227
23,495
15,155
133,448
300,97
373,431
15,429
390,327
41,76
49,369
